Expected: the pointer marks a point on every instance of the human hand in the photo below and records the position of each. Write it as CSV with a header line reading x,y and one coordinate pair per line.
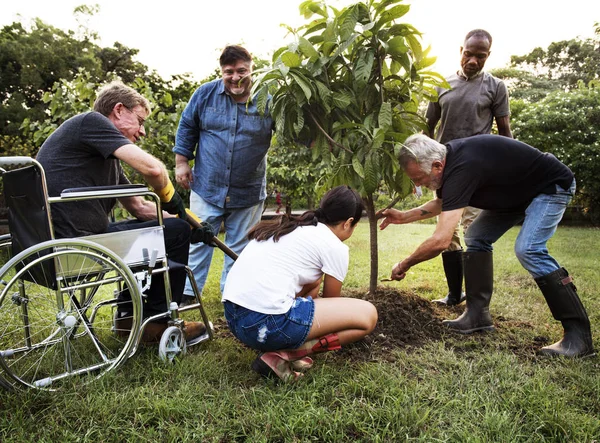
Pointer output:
x,y
390,216
399,271
203,233
183,175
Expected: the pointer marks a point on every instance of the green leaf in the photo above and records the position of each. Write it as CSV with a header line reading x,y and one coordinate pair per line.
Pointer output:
x,y
303,85
362,70
397,46
384,4
392,14
310,7
378,138
299,123
290,59
349,22
262,99
370,180
315,26
385,115
341,99
415,46
358,167
308,49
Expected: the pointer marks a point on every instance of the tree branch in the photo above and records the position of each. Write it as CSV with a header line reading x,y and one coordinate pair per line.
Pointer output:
x,y
327,136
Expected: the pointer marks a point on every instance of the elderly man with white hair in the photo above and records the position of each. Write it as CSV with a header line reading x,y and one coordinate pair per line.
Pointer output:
x,y
512,183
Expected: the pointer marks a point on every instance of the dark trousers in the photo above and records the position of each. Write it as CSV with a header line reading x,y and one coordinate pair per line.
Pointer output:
x,y
177,245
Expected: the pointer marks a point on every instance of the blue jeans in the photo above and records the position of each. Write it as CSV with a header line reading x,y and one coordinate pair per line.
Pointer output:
x,y
237,223
540,220
271,332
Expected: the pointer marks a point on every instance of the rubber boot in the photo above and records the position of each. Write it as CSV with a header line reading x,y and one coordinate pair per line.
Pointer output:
x,y
564,303
479,283
453,268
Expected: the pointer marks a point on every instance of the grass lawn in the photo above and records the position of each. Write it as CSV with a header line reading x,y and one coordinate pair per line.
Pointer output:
x,y
487,387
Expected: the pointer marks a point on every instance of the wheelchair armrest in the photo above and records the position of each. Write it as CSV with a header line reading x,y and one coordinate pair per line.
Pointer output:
x,y
104,191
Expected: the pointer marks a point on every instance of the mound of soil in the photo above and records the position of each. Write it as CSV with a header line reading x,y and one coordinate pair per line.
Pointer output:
x,y
406,321
409,322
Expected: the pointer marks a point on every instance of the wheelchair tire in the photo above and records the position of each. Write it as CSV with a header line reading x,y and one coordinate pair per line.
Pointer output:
x,y
172,344
57,302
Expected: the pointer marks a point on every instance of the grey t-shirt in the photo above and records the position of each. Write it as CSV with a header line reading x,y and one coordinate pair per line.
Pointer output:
x,y
469,107
79,154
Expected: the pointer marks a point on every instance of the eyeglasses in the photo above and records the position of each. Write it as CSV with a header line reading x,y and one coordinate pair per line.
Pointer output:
x,y
141,120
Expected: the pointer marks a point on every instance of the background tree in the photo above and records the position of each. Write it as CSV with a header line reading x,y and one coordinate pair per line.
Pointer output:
x,y
293,171
351,83
561,66
34,58
567,124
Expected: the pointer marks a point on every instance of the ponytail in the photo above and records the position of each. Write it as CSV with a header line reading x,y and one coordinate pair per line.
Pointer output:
x,y
337,205
281,226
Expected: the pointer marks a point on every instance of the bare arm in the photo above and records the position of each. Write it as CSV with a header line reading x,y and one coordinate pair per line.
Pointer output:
x,y
503,124
310,289
393,216
433,246
141,209
152,169
332,287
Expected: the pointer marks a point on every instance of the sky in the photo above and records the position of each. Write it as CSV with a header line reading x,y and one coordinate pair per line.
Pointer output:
x,y
187,36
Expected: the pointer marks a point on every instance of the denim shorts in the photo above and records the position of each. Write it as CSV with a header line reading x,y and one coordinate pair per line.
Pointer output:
x,y
271,332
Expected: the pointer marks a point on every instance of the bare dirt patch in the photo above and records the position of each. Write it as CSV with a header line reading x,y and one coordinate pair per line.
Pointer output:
x,y
409,322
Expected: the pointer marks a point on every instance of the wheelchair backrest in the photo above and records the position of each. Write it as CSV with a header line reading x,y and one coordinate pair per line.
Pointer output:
x,y
28,215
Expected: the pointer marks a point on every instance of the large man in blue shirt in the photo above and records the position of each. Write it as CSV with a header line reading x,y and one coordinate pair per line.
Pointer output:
x,y
228,138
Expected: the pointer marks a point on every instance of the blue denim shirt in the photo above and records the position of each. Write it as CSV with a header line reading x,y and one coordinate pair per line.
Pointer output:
x,y
229,143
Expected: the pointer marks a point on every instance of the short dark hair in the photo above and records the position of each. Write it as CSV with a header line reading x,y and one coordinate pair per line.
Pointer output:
x,y
337,205
234,53
479,33
116,92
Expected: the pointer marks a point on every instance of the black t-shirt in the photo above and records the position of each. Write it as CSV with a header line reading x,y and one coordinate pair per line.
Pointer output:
x,y
498,173
79,154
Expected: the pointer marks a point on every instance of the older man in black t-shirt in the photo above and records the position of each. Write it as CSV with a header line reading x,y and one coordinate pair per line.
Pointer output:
x,y
86,151
512,182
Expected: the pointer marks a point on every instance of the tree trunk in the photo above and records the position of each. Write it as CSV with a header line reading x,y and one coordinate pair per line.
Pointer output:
x,y
370,207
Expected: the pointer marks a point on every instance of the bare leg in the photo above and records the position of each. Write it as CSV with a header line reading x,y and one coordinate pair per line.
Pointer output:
x,y
337,321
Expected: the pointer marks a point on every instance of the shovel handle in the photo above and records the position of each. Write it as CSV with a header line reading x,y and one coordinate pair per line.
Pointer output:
x,y
194,222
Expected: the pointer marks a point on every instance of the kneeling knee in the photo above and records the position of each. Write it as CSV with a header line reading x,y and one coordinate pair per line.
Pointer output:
x,y
371,316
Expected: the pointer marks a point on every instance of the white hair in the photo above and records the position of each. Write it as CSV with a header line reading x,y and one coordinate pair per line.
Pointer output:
x,y
422,150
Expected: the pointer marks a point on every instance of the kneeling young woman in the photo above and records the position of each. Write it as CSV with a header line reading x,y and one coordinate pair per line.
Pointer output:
x,y
271,294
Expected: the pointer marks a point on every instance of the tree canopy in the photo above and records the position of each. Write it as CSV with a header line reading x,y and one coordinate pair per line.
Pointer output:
x,y
33,60
351,83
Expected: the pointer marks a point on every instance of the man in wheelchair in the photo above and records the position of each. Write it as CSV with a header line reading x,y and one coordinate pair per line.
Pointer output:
x,y
86,151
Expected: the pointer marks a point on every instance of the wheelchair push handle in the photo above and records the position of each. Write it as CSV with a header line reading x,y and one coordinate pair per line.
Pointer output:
x,y
6,162
194,221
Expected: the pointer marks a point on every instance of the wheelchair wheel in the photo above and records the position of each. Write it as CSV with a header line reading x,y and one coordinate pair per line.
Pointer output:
x,y
172,344
57,305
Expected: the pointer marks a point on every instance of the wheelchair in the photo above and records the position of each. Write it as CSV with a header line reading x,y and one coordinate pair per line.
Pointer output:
x,y
59,297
